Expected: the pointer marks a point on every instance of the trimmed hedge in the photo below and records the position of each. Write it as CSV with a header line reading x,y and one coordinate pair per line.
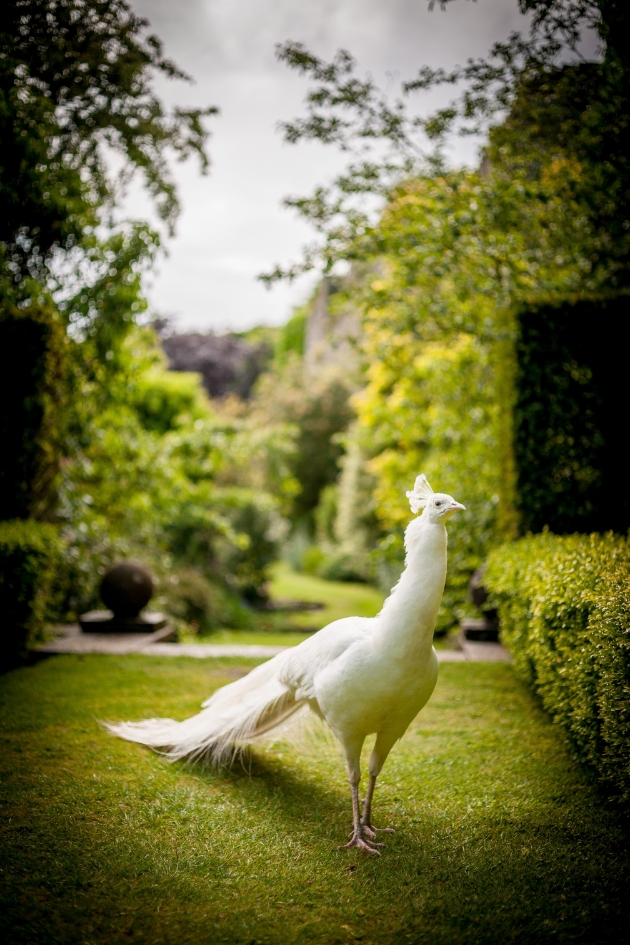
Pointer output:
x,y
30,556
33,372
564,603
571,406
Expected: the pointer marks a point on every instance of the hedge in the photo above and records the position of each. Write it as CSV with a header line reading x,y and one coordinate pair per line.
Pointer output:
x,y
564,604
30,556
572,401
33,373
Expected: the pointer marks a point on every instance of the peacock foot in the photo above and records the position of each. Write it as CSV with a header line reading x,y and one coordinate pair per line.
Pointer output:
x,y
370,831
362,843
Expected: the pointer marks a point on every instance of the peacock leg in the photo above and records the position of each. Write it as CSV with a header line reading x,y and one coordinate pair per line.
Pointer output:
x,y
382,748
357,838
366,820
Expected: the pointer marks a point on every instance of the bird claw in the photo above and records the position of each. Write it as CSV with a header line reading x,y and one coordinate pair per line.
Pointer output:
x,y
371,831
361,843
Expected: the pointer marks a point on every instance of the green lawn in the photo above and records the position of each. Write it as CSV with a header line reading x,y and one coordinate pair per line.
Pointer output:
x,y
500,836
340,599
248,637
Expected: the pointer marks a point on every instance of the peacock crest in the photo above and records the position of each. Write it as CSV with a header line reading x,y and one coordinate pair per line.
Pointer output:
x,y
420,494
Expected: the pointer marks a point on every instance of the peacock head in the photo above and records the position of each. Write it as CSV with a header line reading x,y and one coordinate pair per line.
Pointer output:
x,y
438,506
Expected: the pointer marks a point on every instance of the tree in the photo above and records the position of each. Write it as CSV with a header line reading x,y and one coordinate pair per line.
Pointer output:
x,y
298,418
535,96
452,254
75,82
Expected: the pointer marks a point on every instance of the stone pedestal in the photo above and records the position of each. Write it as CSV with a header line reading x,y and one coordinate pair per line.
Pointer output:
x,y
70,639
104,621
480,630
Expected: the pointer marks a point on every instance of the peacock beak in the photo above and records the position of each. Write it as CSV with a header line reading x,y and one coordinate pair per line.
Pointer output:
x,y
458,505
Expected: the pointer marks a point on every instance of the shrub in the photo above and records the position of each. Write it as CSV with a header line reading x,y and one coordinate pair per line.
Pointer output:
x,y
334,563
292,337
258,530
571,403
200,605
163,399
30,554
316,411
564,604
32,377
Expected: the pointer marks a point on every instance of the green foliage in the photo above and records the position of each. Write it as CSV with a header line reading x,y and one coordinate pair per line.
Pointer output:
x,y
135,493
117,494
139,448
355,520
76,75
102,300
571,405
326,412
430,407
347,527
454,255
143,449
198,605
245,562
576,116
565,115
141,478
564,604
166,400
33,375
292,337
457,251
336,564
326,514
311,412
30,555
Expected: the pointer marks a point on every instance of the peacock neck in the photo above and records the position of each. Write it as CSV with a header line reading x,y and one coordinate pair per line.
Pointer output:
x,y
408,617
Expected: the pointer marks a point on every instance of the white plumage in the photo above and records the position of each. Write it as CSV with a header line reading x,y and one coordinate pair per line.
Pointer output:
x,y
361,675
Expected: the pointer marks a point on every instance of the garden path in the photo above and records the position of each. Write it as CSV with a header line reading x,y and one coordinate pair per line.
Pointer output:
x,y
337,599
70,639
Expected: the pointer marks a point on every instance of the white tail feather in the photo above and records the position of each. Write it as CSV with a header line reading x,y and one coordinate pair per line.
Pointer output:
x,y
231,718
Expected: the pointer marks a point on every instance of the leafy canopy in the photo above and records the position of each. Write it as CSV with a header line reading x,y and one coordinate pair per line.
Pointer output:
x,y
76,83
449,252
547,113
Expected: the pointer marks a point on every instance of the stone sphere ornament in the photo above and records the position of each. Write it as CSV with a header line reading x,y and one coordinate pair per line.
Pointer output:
x,y
126,588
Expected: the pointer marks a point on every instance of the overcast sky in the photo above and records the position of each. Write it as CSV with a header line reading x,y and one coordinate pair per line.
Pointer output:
x,y
232,224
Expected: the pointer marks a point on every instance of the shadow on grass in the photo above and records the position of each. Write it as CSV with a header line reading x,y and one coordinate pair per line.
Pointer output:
x,y
103,842
300,803
506,877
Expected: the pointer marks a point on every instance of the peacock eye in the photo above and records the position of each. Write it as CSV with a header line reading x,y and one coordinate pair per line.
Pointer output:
x,y
438,503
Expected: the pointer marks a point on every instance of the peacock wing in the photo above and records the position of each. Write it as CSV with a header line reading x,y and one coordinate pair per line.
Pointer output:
x,y
304,662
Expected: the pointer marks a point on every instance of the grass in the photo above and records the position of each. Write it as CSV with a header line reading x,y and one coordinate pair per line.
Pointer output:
x,y
249,637
340,599
501,837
